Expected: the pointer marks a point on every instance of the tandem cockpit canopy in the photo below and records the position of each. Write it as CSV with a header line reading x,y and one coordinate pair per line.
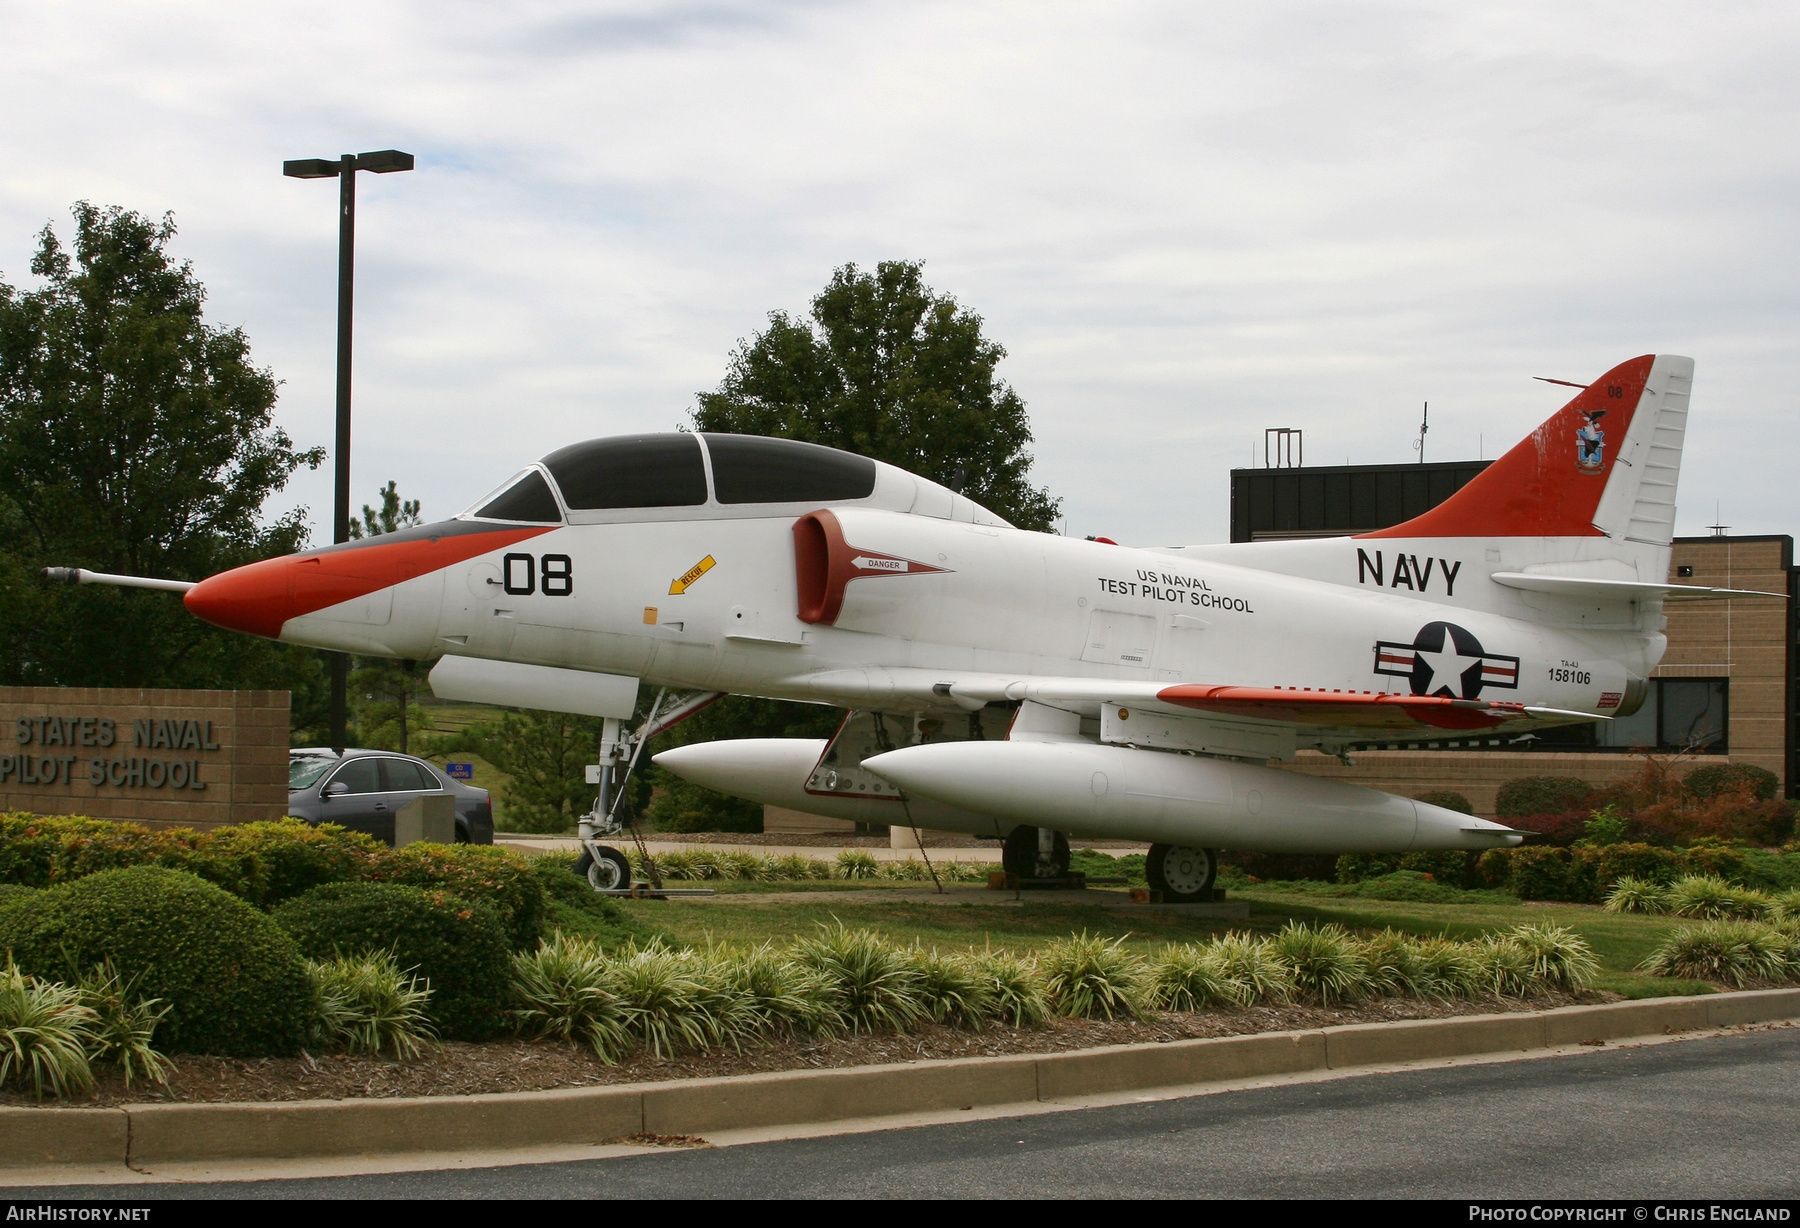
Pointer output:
x,y
677,475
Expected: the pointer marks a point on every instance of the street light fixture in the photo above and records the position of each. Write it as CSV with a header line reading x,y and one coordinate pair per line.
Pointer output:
x,y
381,162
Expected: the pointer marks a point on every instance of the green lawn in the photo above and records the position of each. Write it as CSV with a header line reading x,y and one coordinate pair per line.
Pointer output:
x,y
1620,940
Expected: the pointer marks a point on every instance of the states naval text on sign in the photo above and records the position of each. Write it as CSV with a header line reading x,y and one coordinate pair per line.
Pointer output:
x,y
131,772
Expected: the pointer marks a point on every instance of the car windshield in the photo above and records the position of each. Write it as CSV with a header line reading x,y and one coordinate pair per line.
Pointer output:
x,y
304,773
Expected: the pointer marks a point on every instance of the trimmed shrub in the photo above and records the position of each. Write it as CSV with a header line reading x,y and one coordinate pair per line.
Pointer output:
x,y
235,983
1713,779
1449,799
1531,795
456,945
1355,867
1536,873
1280,867
293,856
1718,860
1557,830
1449,868
1643,862
479,873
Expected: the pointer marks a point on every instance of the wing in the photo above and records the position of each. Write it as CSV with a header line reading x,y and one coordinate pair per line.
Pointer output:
x,y
1356,713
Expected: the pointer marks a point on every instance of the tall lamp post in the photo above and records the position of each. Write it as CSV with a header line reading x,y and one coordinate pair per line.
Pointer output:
x,y
381,162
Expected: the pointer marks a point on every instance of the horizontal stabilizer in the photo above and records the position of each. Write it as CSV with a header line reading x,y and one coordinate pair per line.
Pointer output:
x,y
1619,590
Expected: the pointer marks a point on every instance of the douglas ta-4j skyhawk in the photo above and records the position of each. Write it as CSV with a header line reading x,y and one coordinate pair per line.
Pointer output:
x,y
1020,685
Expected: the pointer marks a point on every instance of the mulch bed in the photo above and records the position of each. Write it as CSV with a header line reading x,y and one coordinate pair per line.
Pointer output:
x,y
459,1069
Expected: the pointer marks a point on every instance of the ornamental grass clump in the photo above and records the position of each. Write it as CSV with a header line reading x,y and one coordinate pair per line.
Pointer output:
x,y
1710,898
1635,895
1394,966
781,996
563,990
1254,963
874,982
367,1004
1456,969
1785,906
857,863
664,999
909,870
1087,977
45,1032
1734,952
1508,967
1191,977
1016,990
124,1024
952,989
1560,958
1327,966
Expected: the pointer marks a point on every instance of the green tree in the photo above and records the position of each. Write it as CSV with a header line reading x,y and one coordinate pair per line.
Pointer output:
x,y
891,369
546,755
134,438
886,367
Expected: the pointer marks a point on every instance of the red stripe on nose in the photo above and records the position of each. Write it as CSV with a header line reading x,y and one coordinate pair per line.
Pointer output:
x,y
261,597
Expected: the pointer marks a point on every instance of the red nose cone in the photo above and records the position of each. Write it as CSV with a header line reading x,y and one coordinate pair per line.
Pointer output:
x,y
257,598
260,598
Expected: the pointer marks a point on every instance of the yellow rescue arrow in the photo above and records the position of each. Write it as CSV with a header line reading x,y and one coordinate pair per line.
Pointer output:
x,y
677,587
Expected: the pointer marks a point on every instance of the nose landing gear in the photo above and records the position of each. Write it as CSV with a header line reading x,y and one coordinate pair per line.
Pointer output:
x,y
1035,852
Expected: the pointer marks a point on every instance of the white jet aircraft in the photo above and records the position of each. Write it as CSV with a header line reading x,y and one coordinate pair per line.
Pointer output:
x,y
1020,685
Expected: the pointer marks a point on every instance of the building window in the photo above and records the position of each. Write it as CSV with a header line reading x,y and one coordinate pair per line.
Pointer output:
x,y
1679,714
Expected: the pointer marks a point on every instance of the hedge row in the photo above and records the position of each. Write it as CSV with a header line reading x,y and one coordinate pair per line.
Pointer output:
x,y
264,864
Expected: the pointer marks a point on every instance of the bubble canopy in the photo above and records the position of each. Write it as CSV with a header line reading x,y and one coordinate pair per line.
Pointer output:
x,y
670,471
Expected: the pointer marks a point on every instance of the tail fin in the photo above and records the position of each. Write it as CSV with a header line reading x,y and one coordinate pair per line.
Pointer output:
x,y
1603,466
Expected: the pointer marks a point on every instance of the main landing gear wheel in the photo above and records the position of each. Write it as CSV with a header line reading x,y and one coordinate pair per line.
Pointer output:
x,y
1183,874
1019,856
612,872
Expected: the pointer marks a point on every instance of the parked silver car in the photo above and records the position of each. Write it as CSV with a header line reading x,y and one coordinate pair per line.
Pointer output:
x,y
362,790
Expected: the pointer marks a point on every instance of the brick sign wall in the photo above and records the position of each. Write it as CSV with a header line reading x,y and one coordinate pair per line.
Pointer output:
x,y
187,758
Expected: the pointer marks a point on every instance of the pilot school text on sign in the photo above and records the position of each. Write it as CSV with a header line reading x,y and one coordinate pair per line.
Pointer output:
x,y
187,758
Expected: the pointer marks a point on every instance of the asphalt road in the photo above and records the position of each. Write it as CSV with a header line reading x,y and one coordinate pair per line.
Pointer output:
x,y
1711,1118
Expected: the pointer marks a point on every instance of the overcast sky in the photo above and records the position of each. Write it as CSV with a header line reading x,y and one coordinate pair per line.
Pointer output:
x,y
1185,222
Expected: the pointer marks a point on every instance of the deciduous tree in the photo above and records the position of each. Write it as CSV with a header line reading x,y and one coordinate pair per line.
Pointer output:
x,y
134,438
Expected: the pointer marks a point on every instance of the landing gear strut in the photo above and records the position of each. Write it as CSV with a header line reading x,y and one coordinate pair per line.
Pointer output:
x,y
1035,852
1182,873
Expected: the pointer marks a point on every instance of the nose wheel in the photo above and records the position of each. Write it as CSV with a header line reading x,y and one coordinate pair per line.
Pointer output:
x,y
610,871
1182,873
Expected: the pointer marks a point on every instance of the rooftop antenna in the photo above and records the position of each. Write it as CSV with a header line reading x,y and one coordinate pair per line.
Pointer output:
x,y
1284,447
1424,425
1718,529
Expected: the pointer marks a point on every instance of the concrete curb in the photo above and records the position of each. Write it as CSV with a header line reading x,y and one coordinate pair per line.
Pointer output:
x,y
145,1135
